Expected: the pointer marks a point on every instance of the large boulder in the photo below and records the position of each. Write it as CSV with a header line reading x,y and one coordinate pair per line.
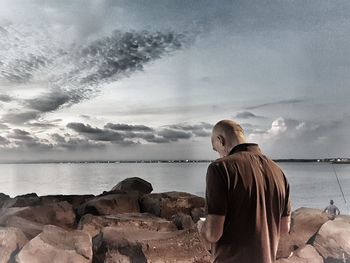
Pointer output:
x,y
305,223
305,254
11,241
29,228
170,203
93,224
176,246
134,184
333,239
57,244
59,214
112,204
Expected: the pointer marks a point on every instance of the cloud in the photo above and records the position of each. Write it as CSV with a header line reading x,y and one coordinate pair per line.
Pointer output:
x,y
68,142
174,135
51,101
127,127
5,98
276,103
247,115
20,117
202,129
95,134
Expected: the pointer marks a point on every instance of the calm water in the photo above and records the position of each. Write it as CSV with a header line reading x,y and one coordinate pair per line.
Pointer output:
x,y
312,185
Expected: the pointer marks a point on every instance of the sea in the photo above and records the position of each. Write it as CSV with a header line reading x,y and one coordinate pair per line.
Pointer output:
x,y
312,184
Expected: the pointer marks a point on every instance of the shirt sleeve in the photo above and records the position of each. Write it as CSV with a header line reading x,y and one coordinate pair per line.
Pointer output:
x,y
287,204
216,191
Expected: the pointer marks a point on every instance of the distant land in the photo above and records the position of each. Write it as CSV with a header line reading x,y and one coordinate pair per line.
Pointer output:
x,y
326,160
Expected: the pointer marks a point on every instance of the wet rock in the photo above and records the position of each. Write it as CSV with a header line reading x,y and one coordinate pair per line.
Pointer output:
x,y
11,241
58,244
305,254
59,214
29,228
110,204
333,239
170,203
134,184
93,224
182,221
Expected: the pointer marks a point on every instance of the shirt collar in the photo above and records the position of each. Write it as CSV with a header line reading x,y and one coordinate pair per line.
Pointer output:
x,y
248,147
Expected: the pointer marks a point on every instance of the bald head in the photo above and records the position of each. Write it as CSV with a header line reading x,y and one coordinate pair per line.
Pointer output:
x,y
226,135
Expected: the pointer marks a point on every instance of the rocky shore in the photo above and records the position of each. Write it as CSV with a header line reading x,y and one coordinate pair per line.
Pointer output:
x,y
129,223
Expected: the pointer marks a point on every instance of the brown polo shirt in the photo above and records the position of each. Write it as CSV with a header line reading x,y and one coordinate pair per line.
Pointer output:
x,y
253,194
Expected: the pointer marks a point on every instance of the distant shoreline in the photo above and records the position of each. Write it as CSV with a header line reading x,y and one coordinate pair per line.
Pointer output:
x,y
328,160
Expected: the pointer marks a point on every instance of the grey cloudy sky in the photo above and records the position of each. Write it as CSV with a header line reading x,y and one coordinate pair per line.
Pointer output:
x,y
143,80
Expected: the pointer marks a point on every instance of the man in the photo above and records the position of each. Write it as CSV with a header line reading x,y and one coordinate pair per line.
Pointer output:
x,y
332,210
247,197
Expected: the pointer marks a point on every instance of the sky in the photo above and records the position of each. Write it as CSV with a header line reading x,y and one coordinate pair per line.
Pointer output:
x,y
127,80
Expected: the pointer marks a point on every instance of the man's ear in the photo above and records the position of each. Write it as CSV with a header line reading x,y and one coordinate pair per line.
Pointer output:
x,y
221,140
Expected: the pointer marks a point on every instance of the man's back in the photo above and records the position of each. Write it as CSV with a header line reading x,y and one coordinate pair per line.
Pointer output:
x,y
253,194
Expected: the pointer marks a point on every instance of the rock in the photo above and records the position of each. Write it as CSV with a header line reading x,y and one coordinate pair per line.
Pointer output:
x,y
74,200
118,250
305,223
182,221
29,228
22,201
110,204
306,254
333,239
134,184
11,241
197,213
59,214
3,199
170,203
57,244
93,224
177,246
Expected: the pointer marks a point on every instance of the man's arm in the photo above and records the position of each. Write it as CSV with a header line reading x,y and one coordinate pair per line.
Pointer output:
x,y
338,211
285,225
212,228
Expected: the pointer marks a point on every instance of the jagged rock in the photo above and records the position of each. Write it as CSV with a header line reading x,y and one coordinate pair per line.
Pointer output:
x,y
177,246
182,221
134,184
93,224
305,223
59,214
11,241
333,239
57,244
22,201
110,204
29,228
74,200
306,254
170,203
